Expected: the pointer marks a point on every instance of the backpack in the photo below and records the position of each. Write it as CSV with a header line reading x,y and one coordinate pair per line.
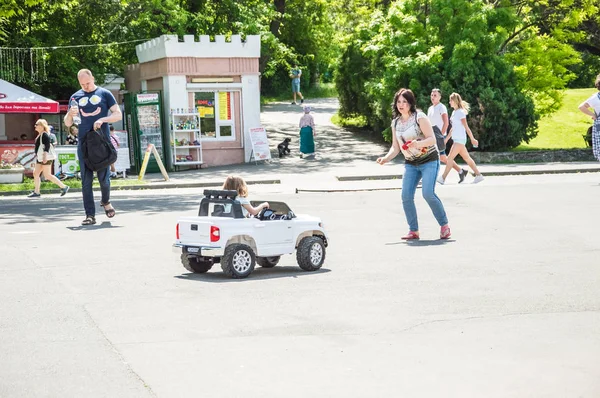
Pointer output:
x,y
439,138
97,151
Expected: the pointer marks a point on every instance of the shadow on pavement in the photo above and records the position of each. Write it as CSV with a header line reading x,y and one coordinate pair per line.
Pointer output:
x,y
103,225
317,106
60,210
335,146
217,276
422,242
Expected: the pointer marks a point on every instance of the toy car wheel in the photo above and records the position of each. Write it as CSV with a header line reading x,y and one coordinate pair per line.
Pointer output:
x,y
195,265
310,253
268,262
238,261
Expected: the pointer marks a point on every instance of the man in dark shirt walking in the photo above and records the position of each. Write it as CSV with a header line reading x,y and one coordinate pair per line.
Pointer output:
x,y
93,106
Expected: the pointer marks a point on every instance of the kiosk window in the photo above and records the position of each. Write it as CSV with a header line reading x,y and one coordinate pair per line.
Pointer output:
x,y
215,109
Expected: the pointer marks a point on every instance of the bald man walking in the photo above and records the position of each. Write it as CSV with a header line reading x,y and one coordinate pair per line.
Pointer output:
x,y
93,106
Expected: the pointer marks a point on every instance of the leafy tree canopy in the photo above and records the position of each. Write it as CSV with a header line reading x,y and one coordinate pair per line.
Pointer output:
x,y
509,58
512,58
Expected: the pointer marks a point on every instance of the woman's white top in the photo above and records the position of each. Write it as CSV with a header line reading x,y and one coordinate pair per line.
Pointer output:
x,y
594,102
458,130
409,130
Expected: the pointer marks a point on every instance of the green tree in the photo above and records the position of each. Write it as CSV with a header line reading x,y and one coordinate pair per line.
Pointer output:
x,y
540,46
448,44
588,46
12,8
301,31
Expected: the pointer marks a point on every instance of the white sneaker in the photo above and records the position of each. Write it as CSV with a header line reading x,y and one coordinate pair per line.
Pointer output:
x,y
478,178
440,179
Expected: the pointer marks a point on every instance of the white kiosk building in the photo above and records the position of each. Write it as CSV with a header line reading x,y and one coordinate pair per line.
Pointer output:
x,y
211,94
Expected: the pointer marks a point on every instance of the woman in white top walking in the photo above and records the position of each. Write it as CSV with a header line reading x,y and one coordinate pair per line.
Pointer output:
x,y
591,107
459,132
438,116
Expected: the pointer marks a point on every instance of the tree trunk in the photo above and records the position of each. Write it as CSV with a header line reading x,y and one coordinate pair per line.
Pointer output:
x,y
276,22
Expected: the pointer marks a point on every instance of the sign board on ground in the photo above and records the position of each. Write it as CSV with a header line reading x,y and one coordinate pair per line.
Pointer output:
x,y
260,143
151,149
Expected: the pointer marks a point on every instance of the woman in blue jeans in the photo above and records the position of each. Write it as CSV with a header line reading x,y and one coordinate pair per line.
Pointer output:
x,y
413,136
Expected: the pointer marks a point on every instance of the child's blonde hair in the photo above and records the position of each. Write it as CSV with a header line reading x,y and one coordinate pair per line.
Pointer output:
x,y
236,183
459,102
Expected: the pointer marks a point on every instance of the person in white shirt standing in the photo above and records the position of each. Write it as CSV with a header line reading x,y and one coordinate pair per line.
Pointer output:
x,y
459,132
438,116
591,107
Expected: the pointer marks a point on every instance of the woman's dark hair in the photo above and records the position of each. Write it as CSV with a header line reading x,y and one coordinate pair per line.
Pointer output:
x,y
597,84
409,96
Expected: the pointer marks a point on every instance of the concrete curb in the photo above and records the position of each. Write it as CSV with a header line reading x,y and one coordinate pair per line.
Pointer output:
x,y
485,173
174,184
375,177
300,190
163,185
534,172
150,185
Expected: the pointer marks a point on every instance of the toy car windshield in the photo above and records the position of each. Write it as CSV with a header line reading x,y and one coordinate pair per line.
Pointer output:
x,y
276,211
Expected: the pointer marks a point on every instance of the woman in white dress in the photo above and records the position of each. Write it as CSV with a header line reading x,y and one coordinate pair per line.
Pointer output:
x,y
459,132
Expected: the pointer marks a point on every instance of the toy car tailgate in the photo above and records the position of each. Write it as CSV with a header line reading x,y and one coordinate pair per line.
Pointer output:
x,y
194,231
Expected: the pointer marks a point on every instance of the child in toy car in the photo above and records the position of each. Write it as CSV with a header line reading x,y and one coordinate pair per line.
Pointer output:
x,y
237,183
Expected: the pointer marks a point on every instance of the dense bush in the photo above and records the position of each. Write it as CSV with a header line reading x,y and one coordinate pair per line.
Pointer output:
x,y
452,45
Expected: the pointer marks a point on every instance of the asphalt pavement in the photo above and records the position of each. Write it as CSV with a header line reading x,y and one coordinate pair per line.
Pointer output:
x,y
508,307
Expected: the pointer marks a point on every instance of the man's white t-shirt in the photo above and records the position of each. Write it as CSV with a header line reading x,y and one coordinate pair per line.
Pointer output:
x,y
594,102
434,113
458,130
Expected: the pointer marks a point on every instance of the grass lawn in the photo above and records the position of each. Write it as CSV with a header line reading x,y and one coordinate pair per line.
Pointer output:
x,y
354,121
564,128
27,184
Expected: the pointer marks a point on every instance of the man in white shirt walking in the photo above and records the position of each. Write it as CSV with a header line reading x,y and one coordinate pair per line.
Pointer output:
x,y
438,116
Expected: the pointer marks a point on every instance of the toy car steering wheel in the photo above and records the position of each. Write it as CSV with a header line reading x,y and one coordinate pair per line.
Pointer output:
x,y
261,214
266,214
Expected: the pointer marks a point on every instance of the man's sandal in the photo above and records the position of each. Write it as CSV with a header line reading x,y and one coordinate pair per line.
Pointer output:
x,y
89,220
110,213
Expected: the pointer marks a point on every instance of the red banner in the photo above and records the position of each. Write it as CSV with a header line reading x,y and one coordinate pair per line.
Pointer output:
x,y
23,107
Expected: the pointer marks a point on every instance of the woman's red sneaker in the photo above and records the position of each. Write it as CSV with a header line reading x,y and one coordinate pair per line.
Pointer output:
x,y
411,235
445,232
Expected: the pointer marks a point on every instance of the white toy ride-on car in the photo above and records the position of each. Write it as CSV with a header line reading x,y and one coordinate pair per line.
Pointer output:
x,y
221,234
